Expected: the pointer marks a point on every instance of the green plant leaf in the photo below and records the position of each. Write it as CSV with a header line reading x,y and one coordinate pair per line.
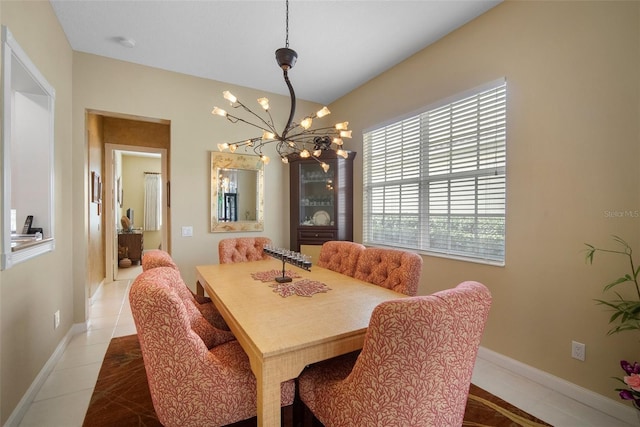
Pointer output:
x,y
590,252
625,313
620,240
626,278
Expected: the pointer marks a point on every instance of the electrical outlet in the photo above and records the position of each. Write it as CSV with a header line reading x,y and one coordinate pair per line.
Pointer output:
x,y
578,350
56,319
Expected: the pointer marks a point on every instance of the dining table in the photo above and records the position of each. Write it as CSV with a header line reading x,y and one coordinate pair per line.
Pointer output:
x,y
284,327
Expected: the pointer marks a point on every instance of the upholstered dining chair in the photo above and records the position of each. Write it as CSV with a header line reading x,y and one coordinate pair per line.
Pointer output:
x,y
340,256
391,268
242,249
158,258
414,369
211,334
239,249
190,384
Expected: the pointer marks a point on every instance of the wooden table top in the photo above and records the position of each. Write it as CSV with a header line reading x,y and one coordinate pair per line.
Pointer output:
x,y
277,324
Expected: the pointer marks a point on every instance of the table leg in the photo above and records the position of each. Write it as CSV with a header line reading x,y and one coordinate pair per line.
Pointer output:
x,y
268,401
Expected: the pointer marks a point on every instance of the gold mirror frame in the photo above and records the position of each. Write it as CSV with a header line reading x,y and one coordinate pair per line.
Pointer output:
x,y
220,161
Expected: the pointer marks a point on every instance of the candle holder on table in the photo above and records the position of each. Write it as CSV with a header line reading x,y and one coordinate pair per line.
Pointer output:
x,y
290,257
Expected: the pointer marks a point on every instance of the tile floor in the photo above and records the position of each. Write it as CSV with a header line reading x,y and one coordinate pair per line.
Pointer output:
x,y
64,397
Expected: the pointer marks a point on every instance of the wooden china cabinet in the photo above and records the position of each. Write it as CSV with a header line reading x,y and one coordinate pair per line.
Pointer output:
x,y
321,202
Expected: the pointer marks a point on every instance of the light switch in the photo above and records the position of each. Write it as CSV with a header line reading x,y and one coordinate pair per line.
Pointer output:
x,y
187,231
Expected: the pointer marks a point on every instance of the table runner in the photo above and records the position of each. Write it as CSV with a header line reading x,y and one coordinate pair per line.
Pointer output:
x,y
303,288
270,275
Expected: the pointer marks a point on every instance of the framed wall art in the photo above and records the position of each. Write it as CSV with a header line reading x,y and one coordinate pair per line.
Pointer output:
x,y
119,191
96,187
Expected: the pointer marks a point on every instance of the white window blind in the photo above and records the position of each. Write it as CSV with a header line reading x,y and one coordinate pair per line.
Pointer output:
x,y
436,182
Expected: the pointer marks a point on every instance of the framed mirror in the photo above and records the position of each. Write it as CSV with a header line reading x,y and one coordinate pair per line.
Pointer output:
x,y
237,192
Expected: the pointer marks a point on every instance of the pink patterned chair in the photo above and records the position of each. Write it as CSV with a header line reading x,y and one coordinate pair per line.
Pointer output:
x,y
340,256
190,384
242,249
210,334
239,249
390,268
414,369
159,258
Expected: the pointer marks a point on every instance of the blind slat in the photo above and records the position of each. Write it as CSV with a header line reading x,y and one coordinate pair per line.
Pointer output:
x,y
436,181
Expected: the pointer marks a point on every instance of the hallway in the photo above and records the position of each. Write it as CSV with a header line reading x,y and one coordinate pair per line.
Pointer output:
x,y
64,398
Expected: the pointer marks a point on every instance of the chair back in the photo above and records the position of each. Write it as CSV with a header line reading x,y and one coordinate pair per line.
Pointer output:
x,y
190,385
157,258
340,256
390,268
242,249
169,277
416,364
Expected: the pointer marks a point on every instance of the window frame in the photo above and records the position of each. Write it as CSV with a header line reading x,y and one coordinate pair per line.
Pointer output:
x,y
481,180
27,146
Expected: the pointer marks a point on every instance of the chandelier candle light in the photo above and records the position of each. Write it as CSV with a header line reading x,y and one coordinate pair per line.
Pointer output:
x,y
295,137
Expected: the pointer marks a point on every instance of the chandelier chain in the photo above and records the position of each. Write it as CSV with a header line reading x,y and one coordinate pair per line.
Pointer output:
x,y
286,41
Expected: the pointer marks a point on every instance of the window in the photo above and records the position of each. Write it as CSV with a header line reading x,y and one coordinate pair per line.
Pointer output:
x,y
435,181
28,101
152,201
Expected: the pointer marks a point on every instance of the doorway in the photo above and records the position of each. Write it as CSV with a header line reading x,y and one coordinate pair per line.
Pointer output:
x,y
127,169
107,134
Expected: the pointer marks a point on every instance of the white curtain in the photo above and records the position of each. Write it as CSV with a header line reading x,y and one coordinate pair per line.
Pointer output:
x,y
152,202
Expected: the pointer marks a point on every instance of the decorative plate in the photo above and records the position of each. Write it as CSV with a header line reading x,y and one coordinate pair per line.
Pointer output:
x,y
321,218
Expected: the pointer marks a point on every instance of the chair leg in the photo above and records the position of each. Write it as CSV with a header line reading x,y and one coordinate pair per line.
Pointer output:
x,y
308,419
298,408
288,416
199,289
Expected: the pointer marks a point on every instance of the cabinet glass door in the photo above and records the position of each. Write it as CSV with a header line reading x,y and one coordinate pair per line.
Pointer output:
x,y
316,195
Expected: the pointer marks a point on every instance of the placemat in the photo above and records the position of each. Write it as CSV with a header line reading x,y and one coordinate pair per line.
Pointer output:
x,y
270,276
302,288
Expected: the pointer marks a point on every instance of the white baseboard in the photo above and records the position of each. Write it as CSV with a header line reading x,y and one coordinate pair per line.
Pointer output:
x,y
21,409
99,289
587,397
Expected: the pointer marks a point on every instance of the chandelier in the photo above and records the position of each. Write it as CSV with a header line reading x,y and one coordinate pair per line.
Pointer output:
x,y
296,137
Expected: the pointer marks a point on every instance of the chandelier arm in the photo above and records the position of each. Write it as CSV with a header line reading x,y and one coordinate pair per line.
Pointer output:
x,y
308,134
238,119
283,148
268,124
293,104
319,131
245,143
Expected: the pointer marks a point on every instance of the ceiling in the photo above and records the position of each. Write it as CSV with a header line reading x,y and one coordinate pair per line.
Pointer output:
x,y
341,44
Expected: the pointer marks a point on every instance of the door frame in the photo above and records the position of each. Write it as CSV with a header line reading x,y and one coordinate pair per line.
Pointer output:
x,y
111,222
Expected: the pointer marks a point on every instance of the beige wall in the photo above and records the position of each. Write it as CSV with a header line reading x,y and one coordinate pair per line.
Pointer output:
x,y
32,291
96,270
186,102
572,71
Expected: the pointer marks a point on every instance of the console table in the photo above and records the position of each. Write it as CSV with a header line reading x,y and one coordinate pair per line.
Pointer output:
x,y
134,243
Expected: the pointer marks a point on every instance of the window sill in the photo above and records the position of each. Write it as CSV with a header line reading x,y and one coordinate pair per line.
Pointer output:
x,y
24,251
